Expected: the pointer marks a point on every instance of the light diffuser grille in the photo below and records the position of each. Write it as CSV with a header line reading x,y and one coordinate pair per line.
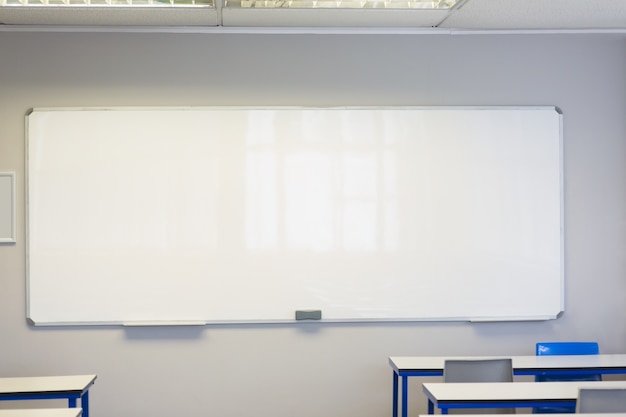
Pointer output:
x,y
109,3
343,4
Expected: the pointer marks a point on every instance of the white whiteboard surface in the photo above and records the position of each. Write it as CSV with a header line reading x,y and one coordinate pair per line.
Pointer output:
x,y
210,215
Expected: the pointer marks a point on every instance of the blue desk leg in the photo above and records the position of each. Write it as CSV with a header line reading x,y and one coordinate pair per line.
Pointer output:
x,y
405,396
431,407
394,409
71,402
84,403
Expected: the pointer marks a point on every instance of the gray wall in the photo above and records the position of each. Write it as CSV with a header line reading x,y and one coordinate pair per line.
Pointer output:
x,y
315,370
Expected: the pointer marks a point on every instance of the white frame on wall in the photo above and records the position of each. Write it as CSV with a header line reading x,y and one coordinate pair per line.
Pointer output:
x,y
7,207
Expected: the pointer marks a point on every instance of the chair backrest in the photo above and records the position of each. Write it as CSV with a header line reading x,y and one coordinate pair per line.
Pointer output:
x,y
601,400
567,348
478,370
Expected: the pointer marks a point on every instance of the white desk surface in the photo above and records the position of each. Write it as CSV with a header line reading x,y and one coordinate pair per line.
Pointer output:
x,y
45,384
535,415
529,362
48,412
511,391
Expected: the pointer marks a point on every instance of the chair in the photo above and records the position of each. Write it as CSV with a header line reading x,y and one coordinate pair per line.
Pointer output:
x,y
565,348
479,370
601,400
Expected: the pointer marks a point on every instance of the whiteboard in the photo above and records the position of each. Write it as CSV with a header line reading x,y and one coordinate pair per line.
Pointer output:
x,y
227,214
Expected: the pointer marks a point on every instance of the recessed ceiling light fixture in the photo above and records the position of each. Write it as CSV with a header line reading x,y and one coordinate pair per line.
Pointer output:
x,y
259,4
229,13
109,3
342,4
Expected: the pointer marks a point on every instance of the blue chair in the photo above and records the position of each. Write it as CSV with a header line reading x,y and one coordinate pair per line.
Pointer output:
x,y
565,348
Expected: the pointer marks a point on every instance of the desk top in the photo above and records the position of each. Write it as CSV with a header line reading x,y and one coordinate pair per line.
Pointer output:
x,y
46,384
443,392
52,412
416,364
535,415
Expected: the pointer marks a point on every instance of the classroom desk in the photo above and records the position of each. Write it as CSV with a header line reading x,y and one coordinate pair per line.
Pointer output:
x,y
51,412
409,366
508,394
535,415
71,387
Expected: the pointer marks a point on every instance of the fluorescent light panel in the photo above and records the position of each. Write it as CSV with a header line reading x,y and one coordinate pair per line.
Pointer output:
x,y
229,13
248,4
109,3
342,4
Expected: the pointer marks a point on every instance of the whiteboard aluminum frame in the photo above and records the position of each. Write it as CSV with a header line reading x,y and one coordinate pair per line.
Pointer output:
x,y
8,211
204,322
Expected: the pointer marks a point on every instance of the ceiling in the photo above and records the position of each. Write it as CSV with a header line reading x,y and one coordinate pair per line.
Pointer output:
x,y
538,14
468,15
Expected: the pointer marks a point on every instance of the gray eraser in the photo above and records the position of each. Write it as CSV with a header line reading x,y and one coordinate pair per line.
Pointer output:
x,y
308,314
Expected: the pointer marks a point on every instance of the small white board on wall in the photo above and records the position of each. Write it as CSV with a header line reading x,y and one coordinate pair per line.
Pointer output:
x,y
227,214
7,207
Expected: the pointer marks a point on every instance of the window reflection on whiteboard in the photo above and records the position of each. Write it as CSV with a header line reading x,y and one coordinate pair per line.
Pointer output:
x,y
312,191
